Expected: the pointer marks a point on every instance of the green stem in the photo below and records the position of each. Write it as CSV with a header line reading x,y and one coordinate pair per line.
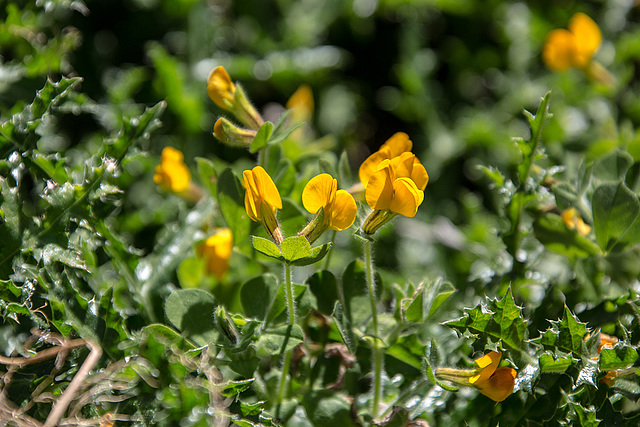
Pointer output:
x,y
288,288
328,257
378,354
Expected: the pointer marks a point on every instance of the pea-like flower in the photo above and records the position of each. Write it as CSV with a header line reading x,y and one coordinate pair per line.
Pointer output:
x,y
216,251
396,145
392,190
334,209
231,97
572,219
575,47
301,104
172,174
494,381
261,200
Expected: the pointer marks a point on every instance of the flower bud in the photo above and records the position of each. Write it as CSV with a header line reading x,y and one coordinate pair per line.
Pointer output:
x,y
233,135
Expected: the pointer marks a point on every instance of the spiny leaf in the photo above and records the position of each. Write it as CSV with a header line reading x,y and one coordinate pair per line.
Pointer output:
x,y
566,335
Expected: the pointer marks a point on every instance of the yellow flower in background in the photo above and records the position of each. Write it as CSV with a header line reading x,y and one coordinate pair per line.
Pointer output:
x,y
396,145
301,104
385,191
494,381
572,220
216,251
573,48
334,209
221,89
172,174
262,199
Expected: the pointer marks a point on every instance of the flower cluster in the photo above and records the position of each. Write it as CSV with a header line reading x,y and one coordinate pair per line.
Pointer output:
x,y
394,182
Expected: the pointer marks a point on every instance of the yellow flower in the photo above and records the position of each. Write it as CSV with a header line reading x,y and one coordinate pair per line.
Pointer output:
x,y
493,381
386,191
221,89
216,251
335,209
573,221
262,199
396,145
301,104
573,48
172,174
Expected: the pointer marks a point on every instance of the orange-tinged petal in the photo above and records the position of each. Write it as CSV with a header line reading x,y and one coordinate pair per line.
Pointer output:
x,y
500,385
266,188
406,198
560,49
588,37
344,211
320,192
220,88
379,191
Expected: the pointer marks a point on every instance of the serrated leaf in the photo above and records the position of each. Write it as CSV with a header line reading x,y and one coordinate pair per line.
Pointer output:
x,y
566,335
615,216
550,364
500,320
530,148
234,388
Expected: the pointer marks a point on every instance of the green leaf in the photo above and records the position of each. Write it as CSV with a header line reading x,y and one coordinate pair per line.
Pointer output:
x,y
191,311
258,294
207,175
356,296
431,360
566,335
328,408
317,253
231,202
619,357
168,335
550,364
566,195
295,248
615,216
280,340
324,287
267,247
530,148
552,232
501,320
494,175
613,166
234,388
262,137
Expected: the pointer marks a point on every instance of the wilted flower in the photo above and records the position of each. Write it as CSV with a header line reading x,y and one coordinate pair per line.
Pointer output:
x,y
572,220
262,199
216,251
494,381
335,209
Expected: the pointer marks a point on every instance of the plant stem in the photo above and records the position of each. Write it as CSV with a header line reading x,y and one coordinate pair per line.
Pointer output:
x,y
288,288
377,350
328,257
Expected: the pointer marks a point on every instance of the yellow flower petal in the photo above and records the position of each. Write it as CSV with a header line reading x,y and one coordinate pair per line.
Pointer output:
x,y
251,196
560,49
419,175
301,104
319,192
172,174
344,211
396,145
488,363
406,197
266,188
220,88
588,37
379,191
216,251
